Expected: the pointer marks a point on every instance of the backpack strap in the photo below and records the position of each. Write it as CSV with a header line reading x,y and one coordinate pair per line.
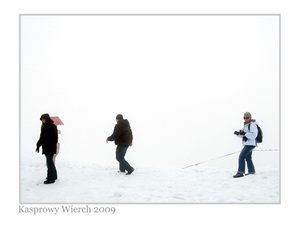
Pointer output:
x,y
249,126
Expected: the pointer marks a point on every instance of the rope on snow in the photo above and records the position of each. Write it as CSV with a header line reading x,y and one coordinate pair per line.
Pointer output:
x,y
258,150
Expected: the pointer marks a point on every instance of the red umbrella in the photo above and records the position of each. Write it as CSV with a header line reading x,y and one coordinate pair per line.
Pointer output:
x,y
57,120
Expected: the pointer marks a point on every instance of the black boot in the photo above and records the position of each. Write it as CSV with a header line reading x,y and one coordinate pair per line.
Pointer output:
x,y
130,171
49,181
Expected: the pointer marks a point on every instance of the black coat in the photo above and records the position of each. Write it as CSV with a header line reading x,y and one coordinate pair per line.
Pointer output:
x,y
122,134
48,138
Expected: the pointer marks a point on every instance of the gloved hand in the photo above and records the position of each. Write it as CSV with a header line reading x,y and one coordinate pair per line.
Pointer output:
x,y
245,138
242,132
37,149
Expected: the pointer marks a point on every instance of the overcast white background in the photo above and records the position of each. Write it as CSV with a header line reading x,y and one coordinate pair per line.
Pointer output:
x,y
286,211
183,82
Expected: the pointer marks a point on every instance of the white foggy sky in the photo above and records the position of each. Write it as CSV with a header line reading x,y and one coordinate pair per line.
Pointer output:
x,y
183,82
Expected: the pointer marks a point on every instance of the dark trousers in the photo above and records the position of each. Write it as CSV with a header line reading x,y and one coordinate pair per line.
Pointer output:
x,y
120,156
51,170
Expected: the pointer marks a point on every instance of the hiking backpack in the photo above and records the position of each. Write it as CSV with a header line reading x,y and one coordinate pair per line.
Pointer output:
x,y
259,138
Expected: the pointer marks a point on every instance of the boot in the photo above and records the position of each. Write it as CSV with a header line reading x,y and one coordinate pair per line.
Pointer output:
x,y
49,181
238,175
130,172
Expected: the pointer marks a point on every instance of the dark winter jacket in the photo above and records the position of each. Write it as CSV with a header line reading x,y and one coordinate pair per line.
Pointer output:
x,y
122,134
48,138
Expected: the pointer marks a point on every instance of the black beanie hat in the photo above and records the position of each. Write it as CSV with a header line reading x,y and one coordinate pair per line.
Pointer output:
x,y
46,117
119,117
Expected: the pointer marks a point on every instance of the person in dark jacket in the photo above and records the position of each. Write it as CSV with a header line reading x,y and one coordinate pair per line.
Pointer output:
x,y
122,136
48,141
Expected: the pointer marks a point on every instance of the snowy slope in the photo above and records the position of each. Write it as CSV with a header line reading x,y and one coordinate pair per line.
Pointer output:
x,y
92,183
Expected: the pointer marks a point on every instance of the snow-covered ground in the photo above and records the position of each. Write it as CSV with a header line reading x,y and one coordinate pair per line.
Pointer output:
x,y
80,182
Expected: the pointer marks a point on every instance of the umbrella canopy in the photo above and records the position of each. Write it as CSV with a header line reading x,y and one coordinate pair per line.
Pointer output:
x,y
57,120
